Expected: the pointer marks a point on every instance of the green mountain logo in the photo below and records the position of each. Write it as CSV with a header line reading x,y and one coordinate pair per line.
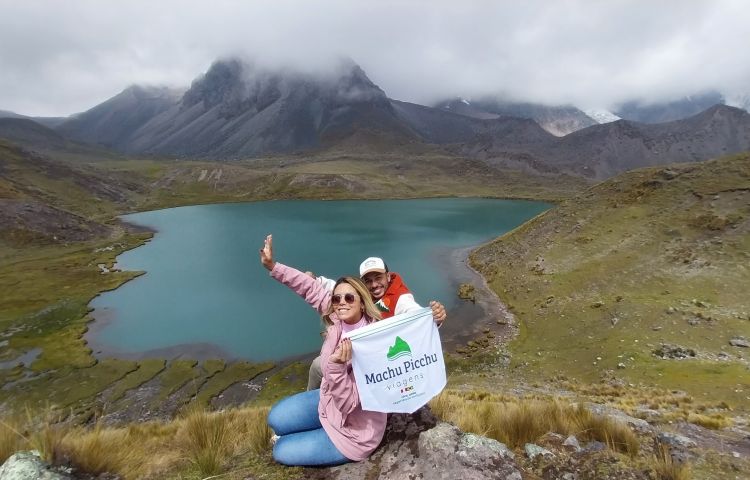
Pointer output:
x,y
399,349
381,306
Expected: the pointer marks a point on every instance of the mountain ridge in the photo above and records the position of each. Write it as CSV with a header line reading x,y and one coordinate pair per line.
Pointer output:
x,y
238,110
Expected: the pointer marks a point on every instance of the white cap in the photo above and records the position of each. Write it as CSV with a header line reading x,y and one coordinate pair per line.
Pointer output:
x,y
372,264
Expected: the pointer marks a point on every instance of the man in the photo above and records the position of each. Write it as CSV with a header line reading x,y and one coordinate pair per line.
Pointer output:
x,y
391,296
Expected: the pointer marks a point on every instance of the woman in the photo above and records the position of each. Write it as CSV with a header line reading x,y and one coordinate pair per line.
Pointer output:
x,y
326,426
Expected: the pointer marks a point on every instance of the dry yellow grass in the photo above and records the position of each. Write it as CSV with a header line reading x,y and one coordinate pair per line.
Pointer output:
x,y
252,427
714,421
47,440
671,405
12,437
99,450
666,468
138,451
210,441
45,431
516,422
206,440
201,442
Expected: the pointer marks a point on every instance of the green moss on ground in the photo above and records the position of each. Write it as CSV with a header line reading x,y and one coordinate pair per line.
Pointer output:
x,y
46,291
213,366
61,348
235,372
287,381
11,374
146,370
45,288
176,375
68,387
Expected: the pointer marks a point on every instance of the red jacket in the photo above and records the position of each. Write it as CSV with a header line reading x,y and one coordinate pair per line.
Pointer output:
x,y
396,288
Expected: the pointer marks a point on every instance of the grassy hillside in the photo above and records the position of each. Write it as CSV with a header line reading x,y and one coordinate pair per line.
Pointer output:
x,y
642,268
338,176
59,228
44,201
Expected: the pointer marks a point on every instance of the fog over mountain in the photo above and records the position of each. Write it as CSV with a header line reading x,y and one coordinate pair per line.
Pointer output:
x,y
582,53
239,110
668,111
558,120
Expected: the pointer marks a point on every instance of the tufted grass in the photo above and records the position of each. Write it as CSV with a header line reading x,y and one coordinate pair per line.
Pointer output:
x,y
41,431
12,438
666,468
715,421
211,440
100,450
206,440
516,422
671,405
198,444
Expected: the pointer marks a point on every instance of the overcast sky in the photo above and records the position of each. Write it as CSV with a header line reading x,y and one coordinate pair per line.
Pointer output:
x,y
62,57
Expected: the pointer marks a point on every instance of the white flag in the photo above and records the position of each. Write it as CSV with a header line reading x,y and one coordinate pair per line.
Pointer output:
x,y
398,363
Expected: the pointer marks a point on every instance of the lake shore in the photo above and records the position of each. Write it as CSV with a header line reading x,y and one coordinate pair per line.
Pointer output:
x,y
166,311
469,319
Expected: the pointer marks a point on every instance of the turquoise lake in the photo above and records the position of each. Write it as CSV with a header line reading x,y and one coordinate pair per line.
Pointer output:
x,y
205,292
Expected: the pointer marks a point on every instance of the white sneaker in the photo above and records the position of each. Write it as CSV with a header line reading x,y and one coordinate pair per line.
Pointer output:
x,y
274,437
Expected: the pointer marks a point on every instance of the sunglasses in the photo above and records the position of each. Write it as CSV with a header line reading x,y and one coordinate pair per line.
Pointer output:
x,y
348,298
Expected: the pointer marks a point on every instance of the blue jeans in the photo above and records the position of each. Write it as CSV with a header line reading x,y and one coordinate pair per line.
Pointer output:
x,y
302,440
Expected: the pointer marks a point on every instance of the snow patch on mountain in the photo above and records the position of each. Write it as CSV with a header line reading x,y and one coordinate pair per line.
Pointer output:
x,y
600,115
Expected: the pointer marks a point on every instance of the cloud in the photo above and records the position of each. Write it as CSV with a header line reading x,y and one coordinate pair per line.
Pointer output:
x,y
57,58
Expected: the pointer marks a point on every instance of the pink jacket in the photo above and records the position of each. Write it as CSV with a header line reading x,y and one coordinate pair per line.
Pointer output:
x,y
355,432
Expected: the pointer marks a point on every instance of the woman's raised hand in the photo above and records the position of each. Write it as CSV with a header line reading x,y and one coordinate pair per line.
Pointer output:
x,y
266,253
343,352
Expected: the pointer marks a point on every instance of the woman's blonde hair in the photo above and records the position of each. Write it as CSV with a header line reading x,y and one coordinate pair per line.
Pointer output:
x,y
371,311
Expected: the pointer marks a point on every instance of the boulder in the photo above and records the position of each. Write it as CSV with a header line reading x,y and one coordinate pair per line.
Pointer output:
x,y
418,446
29,466
675,440
466,291
571,443
637,424
533,451
594,446
674,352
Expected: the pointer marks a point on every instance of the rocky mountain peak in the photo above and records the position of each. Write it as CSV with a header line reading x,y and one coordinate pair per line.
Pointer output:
x,y
353,85
146,92
237,86
720,110
225,84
